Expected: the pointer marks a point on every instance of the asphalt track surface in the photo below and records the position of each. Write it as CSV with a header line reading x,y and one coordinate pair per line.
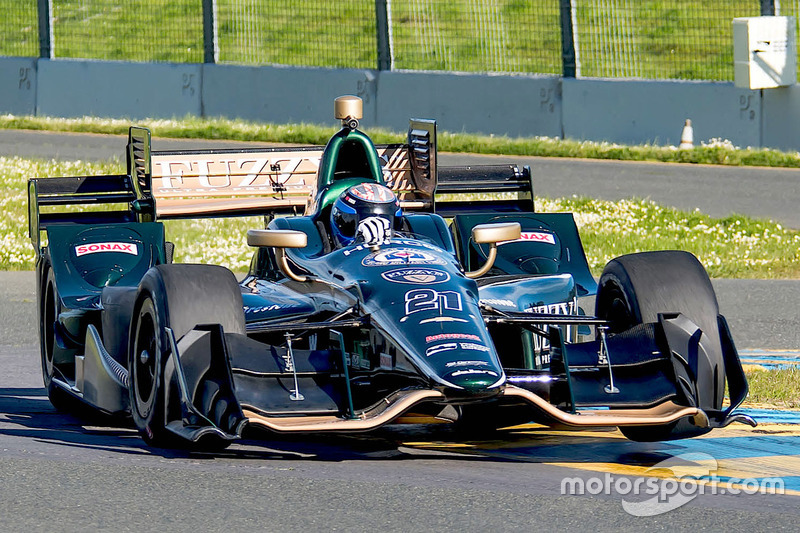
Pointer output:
x,y
66,473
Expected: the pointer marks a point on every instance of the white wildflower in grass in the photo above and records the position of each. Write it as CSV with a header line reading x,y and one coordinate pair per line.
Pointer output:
x,y
16,251
718,142
736,246
213,241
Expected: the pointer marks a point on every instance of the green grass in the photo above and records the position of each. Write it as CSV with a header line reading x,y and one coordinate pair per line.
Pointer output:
x,y
716,152
19,29
735,246
328,34
779,388
663,39
154,30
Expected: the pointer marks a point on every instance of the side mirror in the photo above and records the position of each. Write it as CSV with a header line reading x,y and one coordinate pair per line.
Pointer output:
x,y
492,234
279,239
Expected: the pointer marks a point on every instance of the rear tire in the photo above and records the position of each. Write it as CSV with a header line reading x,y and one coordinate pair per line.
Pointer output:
x,y
635,288
177,297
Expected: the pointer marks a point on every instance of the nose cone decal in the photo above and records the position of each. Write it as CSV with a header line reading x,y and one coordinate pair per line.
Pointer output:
x,y
416,276
473,378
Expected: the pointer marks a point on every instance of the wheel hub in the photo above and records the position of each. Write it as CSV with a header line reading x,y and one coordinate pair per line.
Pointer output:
x,y
144,357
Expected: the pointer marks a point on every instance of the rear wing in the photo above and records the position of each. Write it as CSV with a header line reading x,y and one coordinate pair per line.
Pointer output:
x,y
264,181
276,181
472,189
210,183
196,183
86,190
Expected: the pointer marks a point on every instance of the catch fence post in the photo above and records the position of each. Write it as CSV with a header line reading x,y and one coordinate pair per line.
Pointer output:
x,y
382,23
770,8
210,47
45,8
569,40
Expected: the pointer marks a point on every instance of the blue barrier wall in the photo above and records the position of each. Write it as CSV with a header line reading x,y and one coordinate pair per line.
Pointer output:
x,y
618,111
18,86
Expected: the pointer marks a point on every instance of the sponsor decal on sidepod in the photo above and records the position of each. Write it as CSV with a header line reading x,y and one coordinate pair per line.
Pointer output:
x,y
533,236
96,247
496,301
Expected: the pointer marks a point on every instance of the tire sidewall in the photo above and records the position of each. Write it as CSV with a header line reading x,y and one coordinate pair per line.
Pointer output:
x,y
614,302
650,283
48,303
660,289
180,296
150,419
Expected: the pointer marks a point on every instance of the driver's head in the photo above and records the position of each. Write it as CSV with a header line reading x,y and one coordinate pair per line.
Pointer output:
x,y
367,210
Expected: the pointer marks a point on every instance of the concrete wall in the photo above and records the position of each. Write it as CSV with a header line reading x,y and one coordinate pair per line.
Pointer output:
x,y
500,105
781,112
620,111
633,112
18,85
282,94
68,88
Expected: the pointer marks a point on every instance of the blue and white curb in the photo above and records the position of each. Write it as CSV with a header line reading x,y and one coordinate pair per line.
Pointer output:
x,y
770,359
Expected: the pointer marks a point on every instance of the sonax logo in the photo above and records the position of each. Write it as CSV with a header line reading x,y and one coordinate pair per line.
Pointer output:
x,y
96,247
534,236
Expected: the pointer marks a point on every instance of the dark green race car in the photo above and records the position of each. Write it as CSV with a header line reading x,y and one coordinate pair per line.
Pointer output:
x,y
469,307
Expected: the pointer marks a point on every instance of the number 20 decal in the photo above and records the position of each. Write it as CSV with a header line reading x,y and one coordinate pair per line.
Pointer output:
x,y
431,300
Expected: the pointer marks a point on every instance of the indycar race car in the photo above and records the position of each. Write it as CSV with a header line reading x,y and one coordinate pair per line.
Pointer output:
x,y
469,308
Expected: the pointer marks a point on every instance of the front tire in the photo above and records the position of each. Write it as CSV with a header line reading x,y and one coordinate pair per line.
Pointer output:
x,y
634,289
178,297
146,371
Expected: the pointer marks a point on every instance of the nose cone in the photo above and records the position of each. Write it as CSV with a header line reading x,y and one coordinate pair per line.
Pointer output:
x,y
474,379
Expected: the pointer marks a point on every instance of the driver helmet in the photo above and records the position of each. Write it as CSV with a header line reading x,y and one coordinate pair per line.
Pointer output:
x,y
358,204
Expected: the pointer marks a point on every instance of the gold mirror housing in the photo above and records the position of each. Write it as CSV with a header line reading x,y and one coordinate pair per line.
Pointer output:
x,y
277,238
348,107
492,234
280,239
497,232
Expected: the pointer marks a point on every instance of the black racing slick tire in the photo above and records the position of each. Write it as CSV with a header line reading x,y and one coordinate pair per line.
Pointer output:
x,y
633,289
51,353
178,297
